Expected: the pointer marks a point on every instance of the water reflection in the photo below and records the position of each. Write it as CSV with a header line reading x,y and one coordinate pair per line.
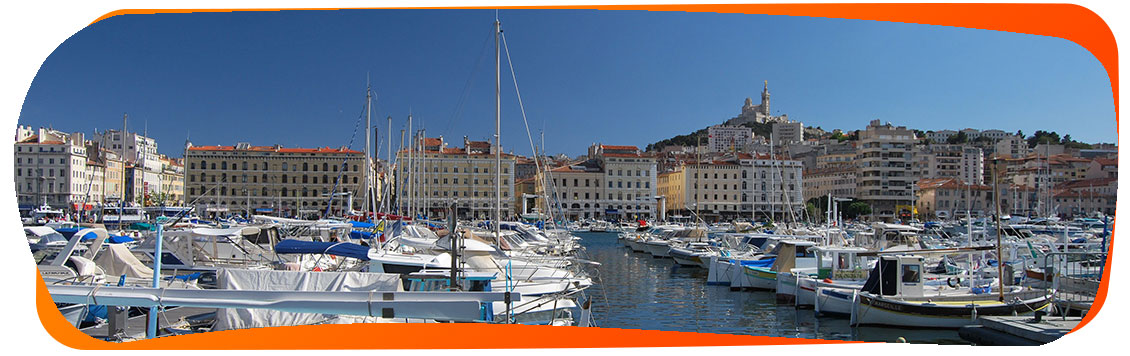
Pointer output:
x,y
636,291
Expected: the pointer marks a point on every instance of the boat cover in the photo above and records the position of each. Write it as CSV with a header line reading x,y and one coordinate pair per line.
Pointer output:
x,y
264,280
118,260
343,249
885,283
759,263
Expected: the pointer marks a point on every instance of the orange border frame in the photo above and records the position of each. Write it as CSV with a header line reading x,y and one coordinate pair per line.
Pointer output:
x,y
1071,22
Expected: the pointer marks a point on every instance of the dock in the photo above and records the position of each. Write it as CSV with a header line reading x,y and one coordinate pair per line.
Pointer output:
x,y
135,327
1018,330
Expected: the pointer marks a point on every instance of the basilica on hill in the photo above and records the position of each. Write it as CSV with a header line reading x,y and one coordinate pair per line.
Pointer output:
x,y
757,113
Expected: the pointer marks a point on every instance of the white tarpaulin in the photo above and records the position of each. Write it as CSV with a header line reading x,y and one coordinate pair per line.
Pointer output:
x,y
118,260
268,280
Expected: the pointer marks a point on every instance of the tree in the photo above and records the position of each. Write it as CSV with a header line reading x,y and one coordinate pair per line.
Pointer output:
x,y
959,137
811,208
856,209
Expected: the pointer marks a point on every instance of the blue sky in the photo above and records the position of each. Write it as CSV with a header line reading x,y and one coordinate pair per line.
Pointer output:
x,y
297,78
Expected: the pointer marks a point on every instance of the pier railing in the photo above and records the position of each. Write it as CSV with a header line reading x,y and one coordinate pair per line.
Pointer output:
x,y
1075,278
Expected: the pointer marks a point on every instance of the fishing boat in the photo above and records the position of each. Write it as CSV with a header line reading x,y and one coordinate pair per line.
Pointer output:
x,y
790,256
893,296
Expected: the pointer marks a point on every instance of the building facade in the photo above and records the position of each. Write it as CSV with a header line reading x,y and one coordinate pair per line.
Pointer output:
x,y
886,177
273,180
51,168
429,180
722,138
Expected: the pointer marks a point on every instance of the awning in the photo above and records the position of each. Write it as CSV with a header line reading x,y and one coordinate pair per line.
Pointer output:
x,y
264,210
343,249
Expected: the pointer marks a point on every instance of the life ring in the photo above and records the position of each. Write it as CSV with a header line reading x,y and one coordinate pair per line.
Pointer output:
x,y
953,282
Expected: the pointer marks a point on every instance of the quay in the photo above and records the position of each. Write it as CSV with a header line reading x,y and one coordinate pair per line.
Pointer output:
x,y
1018,330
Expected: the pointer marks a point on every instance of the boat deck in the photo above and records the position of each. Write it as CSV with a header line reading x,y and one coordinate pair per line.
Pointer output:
x,y
136,326
1018,330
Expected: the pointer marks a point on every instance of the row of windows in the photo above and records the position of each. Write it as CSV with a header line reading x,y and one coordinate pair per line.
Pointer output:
x,y
639,173
505,170
306,179
445,193
306,166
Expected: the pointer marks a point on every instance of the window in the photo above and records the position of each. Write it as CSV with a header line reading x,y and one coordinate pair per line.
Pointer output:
x,y
910,273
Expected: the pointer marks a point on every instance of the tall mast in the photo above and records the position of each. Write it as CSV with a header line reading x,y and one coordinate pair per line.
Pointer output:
x,y
411,170
122,199
497,131
388,167
365,207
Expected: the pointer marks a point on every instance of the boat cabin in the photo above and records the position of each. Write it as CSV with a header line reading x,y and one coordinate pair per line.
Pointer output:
x,y
896,276
841,262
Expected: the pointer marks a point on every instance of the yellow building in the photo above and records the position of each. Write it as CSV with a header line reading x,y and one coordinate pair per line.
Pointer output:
x,y
672,187
433,176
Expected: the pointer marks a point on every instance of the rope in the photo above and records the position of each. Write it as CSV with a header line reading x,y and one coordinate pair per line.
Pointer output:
x,y
522,107
344,161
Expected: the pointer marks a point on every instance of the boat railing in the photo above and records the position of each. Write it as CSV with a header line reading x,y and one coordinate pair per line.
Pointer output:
x,y
1075,278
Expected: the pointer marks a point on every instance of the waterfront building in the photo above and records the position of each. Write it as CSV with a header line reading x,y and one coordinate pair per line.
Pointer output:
x,y
839,181
886,177
671,187
717,189
172,182
140,152
629,181
576,190
947,198
722,138
1086,196
51,167
441,174
271,180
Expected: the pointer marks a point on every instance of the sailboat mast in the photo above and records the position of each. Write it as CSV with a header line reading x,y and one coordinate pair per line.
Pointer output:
x,y
497,131
388,168
365,207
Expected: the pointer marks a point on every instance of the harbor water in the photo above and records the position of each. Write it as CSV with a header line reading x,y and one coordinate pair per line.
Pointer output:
x,y
637,291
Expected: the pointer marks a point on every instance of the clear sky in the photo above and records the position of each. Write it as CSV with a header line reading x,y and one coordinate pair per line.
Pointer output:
x,y
297,78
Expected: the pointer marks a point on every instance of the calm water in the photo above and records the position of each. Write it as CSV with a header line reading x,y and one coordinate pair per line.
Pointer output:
x,y
643,292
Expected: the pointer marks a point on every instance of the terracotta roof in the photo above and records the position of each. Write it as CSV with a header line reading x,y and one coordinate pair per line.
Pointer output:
x,y
611,147
630,155
428,141
31,139
1086,183
1106,161
948,183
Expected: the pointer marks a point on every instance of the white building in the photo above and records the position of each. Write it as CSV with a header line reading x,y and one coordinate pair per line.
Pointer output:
x,y
630,174
722,138
787,132
141,153
972,165
50,166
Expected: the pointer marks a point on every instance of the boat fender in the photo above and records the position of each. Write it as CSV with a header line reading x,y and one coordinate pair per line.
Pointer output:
x,y
953,282
828,280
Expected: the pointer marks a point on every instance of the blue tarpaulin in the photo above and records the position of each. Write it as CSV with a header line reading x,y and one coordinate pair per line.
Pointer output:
x,y
67,232
360,235
343,249
361,225
759,263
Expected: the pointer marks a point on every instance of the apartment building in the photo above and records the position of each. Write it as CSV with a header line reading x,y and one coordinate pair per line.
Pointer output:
x,y
886,177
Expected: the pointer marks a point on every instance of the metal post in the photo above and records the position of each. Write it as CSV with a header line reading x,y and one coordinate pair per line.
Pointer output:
x,y
151,331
